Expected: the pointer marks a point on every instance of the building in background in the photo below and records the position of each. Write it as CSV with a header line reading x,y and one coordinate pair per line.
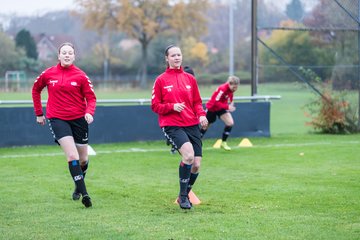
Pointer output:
x,y
47,45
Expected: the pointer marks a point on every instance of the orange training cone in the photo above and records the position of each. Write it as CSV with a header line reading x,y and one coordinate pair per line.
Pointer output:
x,y
192,197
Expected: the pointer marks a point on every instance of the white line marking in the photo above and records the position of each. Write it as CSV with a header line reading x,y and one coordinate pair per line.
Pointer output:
x,y
137,150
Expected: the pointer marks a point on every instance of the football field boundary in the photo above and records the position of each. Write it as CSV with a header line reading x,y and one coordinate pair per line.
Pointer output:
x,y
145,150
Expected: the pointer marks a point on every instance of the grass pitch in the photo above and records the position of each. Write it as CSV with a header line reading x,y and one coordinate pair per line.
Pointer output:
x,y
293,185
288,187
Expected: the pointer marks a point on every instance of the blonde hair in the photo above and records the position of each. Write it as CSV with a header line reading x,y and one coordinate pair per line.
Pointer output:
x,y
233,80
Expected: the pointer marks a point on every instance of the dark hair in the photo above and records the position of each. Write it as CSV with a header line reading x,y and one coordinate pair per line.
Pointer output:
x,y
66,44
189,70
167,49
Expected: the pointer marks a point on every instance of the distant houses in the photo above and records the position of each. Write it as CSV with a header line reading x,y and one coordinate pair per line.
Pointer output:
x,y
47,46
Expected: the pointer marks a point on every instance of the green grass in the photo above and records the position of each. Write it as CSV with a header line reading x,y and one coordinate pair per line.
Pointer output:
x,y
294,185
287,114
268,191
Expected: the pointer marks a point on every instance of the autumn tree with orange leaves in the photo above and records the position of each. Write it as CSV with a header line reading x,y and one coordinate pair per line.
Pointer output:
x,y
145,20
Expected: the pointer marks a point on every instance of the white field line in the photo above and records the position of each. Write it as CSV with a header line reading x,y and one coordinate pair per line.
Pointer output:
x,y
138,150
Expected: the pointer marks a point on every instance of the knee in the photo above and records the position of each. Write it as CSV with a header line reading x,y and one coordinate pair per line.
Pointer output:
x,y
72,156
83,162
188,159
83,158
83,153
195,167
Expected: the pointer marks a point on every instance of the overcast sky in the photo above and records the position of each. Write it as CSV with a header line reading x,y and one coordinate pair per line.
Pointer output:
x,y
37,7
33,7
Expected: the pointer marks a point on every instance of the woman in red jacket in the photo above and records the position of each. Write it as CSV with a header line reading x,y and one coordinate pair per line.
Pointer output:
x,y
176,100
221,105
70,109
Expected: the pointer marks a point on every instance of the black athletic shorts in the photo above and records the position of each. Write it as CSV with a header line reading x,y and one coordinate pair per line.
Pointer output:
x,y
211,116
177,136
77,128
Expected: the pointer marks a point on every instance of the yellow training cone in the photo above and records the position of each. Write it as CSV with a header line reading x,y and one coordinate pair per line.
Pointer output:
x,y
245,143
192,198
217,143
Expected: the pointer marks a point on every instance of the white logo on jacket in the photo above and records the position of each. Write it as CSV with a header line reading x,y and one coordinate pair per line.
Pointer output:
x,y
188,86
169,87
73,83
53,82
218,96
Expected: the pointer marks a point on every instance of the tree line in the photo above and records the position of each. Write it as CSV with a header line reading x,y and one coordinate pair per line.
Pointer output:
x,y
200,27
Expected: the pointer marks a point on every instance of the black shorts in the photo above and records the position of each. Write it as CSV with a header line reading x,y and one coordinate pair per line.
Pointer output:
x,y
177,136
211,116
77,128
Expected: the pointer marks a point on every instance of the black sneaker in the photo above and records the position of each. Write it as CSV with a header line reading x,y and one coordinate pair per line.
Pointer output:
x,y
76,195
184,202
86,200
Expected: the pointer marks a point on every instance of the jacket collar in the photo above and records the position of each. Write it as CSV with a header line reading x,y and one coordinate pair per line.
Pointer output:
x,y
174,70
65,68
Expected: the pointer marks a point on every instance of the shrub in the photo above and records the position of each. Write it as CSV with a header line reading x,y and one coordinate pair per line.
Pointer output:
x,y
331,113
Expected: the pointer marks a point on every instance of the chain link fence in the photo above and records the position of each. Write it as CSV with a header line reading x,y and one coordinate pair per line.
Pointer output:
x,y
324,39
314,48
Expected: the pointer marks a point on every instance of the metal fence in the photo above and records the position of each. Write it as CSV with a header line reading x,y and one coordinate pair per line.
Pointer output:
x,y
142,101
133,123
328,34
316,44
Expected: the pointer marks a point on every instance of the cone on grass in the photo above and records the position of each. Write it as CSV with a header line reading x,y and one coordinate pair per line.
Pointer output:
x,y
245,143
192,198
217,144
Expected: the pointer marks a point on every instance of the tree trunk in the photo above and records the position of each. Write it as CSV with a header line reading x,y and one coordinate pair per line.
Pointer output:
x,y
106,48
143,78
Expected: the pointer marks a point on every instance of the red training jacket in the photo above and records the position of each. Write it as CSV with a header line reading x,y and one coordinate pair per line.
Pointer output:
x,y
70,93
220,99
176,86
